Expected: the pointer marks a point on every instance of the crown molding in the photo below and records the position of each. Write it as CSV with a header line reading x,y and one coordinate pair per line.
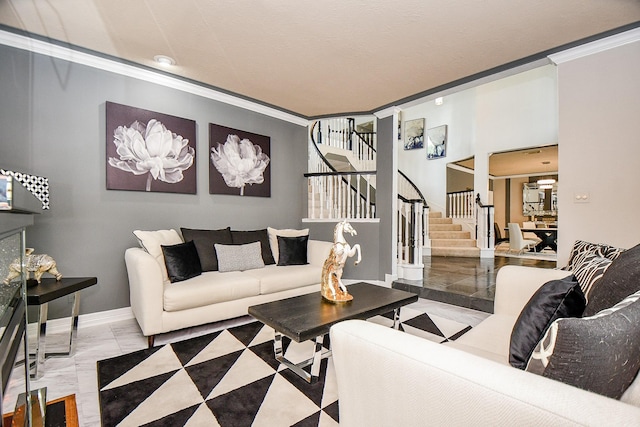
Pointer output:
x,y
148,75
597,46
387,112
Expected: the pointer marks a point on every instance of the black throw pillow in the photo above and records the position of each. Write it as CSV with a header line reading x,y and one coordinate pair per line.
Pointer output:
x,y
204,241
621,279
182,261
244,237
554,300
292,250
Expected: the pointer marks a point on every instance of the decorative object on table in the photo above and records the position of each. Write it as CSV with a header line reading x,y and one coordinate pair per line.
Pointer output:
x,y
414,134
332,288
437,142
38,264
149,151
239,162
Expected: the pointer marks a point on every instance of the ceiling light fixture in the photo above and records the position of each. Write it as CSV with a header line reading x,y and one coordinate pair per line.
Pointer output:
x,y
547,181
439,101
545,186
164,60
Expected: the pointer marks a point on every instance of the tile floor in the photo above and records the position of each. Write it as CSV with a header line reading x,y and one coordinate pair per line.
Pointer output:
x,y
469,280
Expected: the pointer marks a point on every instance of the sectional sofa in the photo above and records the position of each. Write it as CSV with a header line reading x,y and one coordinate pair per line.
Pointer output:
x,y
583,370
167,293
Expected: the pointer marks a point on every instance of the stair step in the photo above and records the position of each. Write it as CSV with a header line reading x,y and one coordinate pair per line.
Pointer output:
x,y
449,235
439,243
440,221
458,252
435,214
444,227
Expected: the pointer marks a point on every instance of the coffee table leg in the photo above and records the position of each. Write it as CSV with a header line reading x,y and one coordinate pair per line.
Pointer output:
x,y
396,318
318,355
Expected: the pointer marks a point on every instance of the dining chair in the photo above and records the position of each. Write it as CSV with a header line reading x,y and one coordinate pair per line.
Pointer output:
x,y
516,240
529,234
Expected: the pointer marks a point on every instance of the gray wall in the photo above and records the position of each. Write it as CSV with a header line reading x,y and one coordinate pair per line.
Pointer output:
x,y
385,195
53,124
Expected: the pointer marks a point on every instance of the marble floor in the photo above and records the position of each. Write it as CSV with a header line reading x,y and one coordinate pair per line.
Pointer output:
x,y
465,282
77,374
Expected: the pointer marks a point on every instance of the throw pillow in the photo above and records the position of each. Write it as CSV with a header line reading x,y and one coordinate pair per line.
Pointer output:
x,y
242,237
182,261
285,232
589,269
151,241
554,300
292,250
599,353
580,248
204,241
239,257
622,278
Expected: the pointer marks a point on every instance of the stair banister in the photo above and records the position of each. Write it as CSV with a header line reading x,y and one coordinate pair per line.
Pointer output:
x,y
484,224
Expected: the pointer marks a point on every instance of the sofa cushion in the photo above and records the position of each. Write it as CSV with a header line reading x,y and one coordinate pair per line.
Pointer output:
x,y
492,335
622,278
239,257
278,278
182,261
600,353
209,288
204,241
242,237
284,232
151,241
581,248
292,250
554,300
589,269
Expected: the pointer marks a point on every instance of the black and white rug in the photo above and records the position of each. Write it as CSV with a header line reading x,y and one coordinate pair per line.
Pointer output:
x,y
231,378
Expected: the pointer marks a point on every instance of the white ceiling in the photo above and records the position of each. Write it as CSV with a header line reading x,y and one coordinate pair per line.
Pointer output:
x,y
326,57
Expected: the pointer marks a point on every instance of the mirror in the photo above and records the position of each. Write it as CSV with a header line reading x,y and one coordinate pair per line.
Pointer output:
x,y
539,202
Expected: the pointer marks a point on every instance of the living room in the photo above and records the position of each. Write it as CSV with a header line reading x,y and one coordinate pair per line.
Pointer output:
x,y
54,120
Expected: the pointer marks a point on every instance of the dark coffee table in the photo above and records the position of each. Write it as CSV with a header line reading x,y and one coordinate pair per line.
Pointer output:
x,y
310,317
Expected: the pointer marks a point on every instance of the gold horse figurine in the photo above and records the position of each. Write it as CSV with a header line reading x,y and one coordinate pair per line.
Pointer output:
x,y
332,288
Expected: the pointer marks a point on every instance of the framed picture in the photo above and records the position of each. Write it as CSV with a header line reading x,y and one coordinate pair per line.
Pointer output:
x,y
149,151
437,142
239,162
414,134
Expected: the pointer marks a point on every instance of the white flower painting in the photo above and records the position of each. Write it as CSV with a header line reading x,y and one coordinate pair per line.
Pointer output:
x,y
239,162
147,153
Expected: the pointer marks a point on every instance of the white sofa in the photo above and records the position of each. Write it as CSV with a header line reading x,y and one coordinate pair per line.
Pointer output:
x,y
390,378
160,306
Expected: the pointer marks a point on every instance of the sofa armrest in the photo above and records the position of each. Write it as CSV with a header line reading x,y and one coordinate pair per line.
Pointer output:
x,y
515,285
389,378
146,290
318,251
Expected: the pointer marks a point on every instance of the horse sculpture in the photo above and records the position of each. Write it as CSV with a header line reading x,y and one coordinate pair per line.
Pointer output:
x,y
332,288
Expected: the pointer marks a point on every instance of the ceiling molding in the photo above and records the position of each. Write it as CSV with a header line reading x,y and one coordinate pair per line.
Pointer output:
x,y
597,46
148,75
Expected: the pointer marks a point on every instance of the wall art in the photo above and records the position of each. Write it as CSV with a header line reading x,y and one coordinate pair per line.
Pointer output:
x,y
414,134
437,142
149,151
239,162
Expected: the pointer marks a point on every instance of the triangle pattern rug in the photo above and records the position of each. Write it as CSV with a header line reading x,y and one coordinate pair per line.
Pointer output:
x,y
231,378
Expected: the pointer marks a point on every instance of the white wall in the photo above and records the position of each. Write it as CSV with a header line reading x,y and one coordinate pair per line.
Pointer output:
x,y
516,112
599,148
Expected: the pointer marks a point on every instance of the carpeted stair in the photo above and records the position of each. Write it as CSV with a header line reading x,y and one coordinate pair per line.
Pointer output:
x,y
448,239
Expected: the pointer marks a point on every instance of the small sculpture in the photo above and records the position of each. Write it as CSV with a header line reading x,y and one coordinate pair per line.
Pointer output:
x,y
36,264
332,288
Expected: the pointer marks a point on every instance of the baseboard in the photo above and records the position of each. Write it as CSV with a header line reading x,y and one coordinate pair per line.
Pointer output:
x,y
90,319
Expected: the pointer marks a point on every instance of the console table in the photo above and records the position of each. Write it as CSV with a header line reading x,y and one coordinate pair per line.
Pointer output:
x,y
40,295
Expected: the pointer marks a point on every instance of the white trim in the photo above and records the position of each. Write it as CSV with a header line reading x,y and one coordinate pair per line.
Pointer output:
x,y
387,112
90,319
353,220
597,46
60,52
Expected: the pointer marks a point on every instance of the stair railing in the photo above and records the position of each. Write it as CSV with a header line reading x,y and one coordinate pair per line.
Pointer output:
x,y
338,195
484,224
461,205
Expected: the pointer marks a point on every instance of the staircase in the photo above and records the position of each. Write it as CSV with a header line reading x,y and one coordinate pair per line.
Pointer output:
x,y
448,239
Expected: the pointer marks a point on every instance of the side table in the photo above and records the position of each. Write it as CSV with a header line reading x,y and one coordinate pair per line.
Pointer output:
x,y
48,290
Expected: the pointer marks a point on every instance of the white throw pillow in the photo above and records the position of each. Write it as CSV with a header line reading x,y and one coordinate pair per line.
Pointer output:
x,y
285,232
151,242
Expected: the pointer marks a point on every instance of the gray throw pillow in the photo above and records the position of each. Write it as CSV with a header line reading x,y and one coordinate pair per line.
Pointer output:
x,y
239,257
600,353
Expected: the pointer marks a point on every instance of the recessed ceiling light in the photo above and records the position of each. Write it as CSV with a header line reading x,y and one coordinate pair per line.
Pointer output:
x,y
164,60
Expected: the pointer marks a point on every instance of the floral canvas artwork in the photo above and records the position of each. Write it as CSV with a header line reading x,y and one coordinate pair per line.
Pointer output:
x,y
437,142
239,162
414,134
149,151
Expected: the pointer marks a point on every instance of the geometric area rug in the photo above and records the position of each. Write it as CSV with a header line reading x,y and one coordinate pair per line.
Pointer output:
x,y
231,378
